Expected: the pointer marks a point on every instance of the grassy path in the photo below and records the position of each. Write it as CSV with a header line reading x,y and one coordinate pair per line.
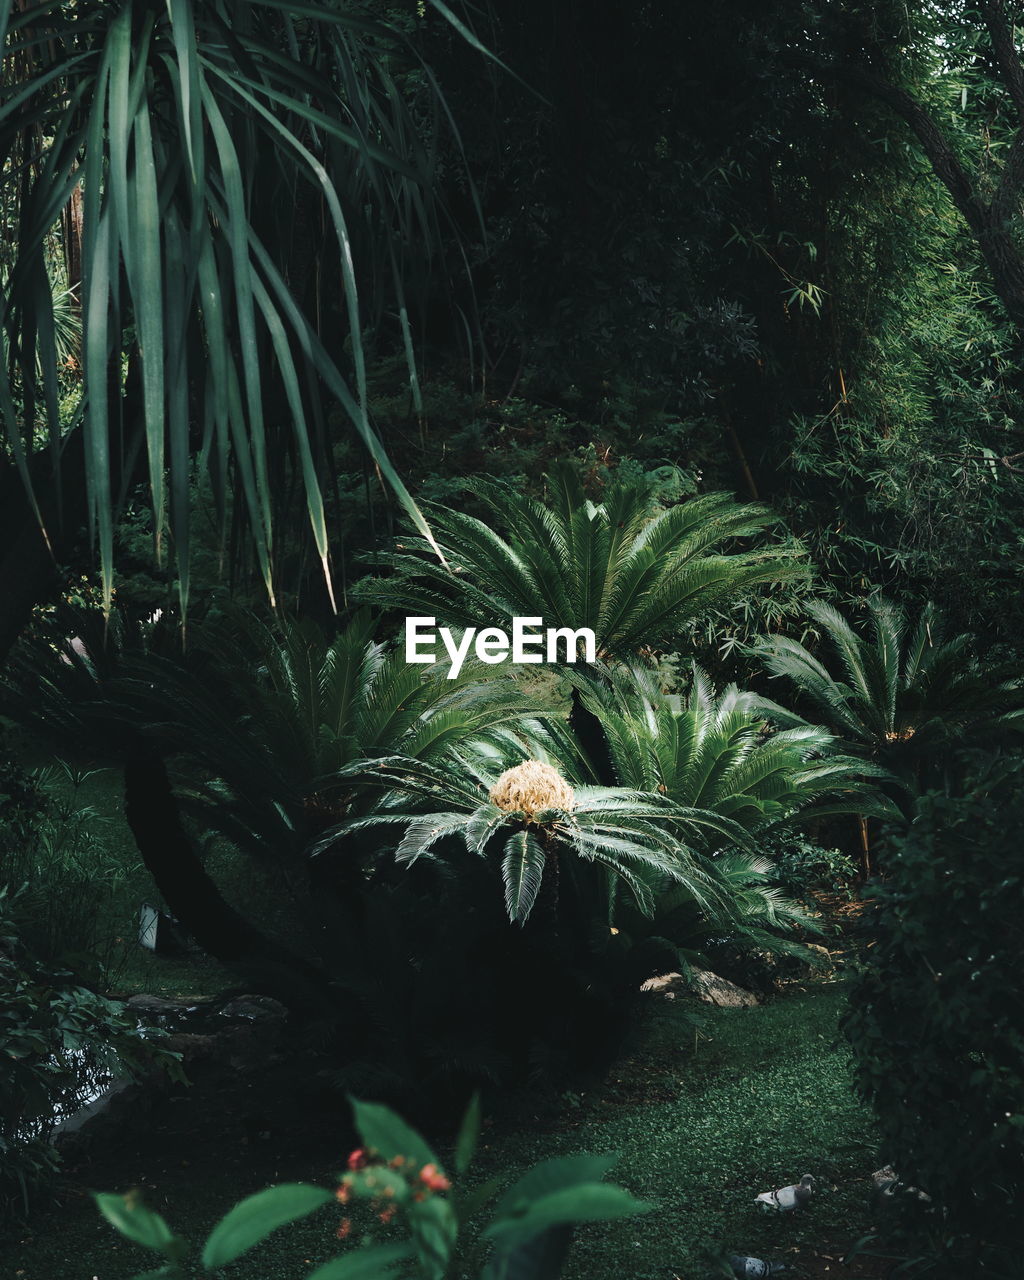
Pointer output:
x,y
764,1098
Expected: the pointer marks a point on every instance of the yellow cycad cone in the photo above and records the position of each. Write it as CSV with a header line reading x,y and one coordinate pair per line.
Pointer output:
x,y
530,787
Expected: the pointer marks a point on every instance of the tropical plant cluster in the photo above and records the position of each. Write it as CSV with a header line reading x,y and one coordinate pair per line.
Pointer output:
x,y
587,834
702,331
588,831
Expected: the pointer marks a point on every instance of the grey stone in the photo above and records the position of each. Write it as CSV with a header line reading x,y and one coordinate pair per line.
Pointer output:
x,y
255,1008
159,1006
720,991
705,985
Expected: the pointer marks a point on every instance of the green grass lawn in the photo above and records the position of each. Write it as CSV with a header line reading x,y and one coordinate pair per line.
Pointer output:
x,y
764,1098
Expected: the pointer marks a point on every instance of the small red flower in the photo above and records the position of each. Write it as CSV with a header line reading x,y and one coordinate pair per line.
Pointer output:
x,y
434,1179
342,1194
387,1214
357,1160
345,1228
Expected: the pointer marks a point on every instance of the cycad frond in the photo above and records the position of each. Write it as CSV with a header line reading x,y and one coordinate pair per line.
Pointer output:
x,y
905,698
632,576
522,869
710,758
423,832
636,837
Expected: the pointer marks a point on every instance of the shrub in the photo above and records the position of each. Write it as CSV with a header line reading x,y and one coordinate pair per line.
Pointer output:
x,y
937,1019
801,867
904,694
62,1043
400,1178
58,855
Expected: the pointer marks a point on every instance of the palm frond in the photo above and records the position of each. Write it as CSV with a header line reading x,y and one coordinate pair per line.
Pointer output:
x,y
632,576
712,763
905,699
522,869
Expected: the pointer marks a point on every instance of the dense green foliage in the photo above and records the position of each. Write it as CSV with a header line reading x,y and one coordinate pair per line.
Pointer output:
x,y
62,1044
711,750
180,118
937,1023
906,696
284,746
632,571
702,330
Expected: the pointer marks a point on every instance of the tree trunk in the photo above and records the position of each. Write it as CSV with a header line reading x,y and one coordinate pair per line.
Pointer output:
x,y
990,223
28,564
589,734
71,224
195,900
865,847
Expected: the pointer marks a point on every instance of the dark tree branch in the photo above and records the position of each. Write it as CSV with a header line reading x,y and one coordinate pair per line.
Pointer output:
x,y
937,147
1007,198
1005,52
194,898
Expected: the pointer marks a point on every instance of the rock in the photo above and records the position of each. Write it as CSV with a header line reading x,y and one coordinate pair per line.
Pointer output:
x,y
194,1047
712,989
159,1006
255,1008
705,985
114,1109
665,984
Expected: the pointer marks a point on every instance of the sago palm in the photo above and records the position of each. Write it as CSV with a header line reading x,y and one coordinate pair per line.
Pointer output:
x,y
265,713
755,916
259,718
534,826
631,574
712,751
902,694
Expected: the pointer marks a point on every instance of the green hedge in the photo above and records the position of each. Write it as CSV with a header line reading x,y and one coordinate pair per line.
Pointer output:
x,y
937,1018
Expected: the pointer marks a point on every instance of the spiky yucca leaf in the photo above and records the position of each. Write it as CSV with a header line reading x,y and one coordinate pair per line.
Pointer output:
x,y
208,140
